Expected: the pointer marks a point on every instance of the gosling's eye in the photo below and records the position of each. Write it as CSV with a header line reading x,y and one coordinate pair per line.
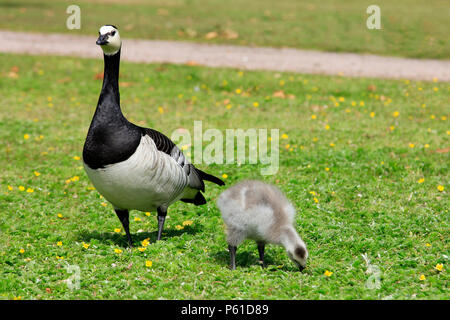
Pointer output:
x,y
113,33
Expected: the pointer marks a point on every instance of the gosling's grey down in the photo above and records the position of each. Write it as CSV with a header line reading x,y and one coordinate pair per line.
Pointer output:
x,y
259,211
131,166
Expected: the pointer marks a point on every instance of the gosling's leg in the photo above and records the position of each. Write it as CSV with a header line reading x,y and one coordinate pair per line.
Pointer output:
x,y
161,218
123,216
232,250
261,247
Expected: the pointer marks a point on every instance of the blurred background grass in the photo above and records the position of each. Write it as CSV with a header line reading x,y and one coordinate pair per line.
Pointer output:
x,y
410,28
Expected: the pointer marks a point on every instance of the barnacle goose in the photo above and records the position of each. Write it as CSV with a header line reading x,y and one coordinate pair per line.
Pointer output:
x,y
131,166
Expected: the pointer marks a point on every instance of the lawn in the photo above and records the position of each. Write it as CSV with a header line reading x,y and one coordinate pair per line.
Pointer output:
x,y
410,28
364,161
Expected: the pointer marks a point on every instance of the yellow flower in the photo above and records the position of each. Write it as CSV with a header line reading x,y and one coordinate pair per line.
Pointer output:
x,y
160,110
187,223
104,204
256,104
327,169
312,192
29,190
440,188
148,263
341,99
396,114
137,219
86,245
75,178
353,103
238,91
282,82
59,243
76,158
21,188
422,277
392,128
178,227
428,244
284,136
316,200
327,273
118,251
361,103
17,298
372,114
145,242
142,249
313,117
421,180
224,176
22,251
147,214
26,136
10,188
411,145
327,127
332,144
117,230
59,215
37,174
439,267
426,145
59,258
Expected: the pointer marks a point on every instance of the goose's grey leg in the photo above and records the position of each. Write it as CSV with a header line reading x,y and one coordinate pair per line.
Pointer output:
x,y
232,250
161,218
261,247
123,216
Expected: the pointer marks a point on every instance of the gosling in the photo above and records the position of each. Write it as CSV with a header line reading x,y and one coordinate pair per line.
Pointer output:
x,y
259,211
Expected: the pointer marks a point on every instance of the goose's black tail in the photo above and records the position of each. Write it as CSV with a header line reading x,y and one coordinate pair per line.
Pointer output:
x,y
205,176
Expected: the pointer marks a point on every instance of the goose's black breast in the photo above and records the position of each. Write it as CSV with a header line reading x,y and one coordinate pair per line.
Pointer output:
x,y
110,144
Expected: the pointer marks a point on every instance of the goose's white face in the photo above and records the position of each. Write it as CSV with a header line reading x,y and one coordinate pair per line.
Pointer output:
x,y
109,40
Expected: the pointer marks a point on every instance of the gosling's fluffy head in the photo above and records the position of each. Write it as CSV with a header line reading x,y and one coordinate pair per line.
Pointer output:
x,y
109,40
299,255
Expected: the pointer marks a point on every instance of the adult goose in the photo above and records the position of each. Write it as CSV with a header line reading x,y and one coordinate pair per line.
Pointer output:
x,y
134,167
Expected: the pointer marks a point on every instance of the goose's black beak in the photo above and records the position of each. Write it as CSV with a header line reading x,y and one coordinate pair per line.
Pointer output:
x,y
102,39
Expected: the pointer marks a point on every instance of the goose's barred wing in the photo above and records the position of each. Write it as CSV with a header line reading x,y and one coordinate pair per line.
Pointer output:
x,y
196,176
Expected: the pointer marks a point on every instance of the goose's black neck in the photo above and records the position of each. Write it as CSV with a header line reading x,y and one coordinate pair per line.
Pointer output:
x,y
109,99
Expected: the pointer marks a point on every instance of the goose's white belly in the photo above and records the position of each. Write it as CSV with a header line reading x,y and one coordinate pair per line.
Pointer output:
x,y
145,181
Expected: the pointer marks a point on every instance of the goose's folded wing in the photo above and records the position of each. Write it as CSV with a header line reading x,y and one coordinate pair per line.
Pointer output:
x,y
164,144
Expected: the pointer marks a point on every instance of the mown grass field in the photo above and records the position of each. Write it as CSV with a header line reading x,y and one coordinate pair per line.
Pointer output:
x,y
411,28
364,161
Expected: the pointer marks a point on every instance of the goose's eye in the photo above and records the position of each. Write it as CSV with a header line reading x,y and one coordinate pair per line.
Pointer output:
x,y
113,33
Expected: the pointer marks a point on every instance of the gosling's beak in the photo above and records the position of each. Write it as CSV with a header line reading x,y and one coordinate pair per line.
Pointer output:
x,y
102,39
301,268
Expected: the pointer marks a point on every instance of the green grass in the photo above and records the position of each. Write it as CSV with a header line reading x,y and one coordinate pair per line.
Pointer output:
x,y
411,28
369,202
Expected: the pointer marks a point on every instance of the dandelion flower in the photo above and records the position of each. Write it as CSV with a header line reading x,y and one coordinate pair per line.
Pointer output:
x,y
284,136
327,169
10,188
440,188
224,176
178,227
256,104
26,136
117,230
316,200
59,243
411,145
372,114
118,251
147,214
104,204
142,249
439,267
148,263
37,174
22,251
422,277
76,158
327,127
86,245
313,117
187,223
327,273
421,180
137,219
29,190
395,114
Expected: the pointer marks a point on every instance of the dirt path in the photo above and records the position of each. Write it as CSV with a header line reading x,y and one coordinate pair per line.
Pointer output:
x,y
246,58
